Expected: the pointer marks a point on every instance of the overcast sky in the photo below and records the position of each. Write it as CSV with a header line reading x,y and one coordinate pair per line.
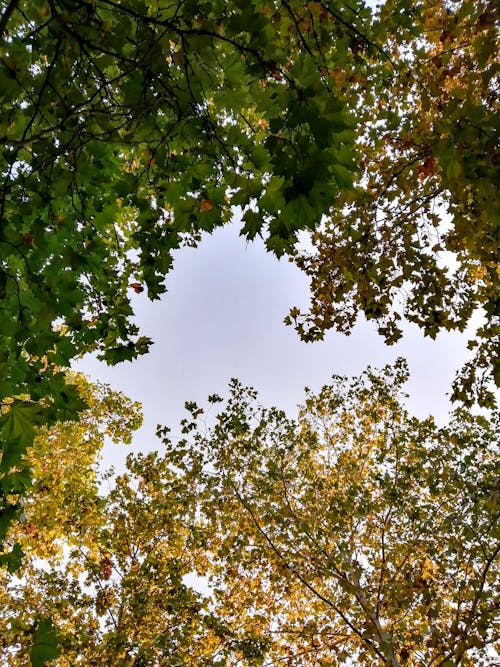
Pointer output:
x,y
222,317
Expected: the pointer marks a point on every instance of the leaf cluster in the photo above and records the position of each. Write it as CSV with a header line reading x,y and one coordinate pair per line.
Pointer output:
x,y
352,532
418,238
130,128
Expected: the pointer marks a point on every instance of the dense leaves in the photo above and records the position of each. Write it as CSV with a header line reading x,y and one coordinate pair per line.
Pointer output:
x,y
129,128
63,498
419,237
44,648
353,533
103,577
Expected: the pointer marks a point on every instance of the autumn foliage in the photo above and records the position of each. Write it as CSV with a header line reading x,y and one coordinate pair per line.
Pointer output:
x,y
353,532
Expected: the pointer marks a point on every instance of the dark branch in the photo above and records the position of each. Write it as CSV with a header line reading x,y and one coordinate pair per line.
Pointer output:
x,y
11,7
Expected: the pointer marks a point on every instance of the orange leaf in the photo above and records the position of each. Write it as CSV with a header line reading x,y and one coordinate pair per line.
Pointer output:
x,y
206,205
29,239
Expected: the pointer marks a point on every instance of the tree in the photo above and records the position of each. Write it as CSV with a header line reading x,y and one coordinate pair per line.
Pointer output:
x,y
102,581
131,127
355,533
352,533
62,464
419,237
63,503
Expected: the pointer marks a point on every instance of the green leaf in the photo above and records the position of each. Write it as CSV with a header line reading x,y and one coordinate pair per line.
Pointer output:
x,y
12,453
45,645
13,559
69,403
8,514
253,224
273,199
19,421
127,352
16,482
343,176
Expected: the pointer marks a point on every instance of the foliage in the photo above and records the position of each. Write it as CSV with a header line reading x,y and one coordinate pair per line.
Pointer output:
x,y
131,127
128,126
44,648
354,533
419,237
18,469
102,580
63,495
116,591
351,533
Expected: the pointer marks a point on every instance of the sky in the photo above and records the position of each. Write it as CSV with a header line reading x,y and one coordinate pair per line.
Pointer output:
x,y
222,317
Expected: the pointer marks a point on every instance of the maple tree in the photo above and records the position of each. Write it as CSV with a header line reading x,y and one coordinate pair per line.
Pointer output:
x,y
353,532
102,578
418,239
128,129
62,503
131,127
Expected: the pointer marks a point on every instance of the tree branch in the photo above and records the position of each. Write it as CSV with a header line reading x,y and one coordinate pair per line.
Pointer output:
x,y
11,7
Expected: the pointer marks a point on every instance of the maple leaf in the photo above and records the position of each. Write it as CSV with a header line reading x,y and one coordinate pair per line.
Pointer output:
x,y
19,421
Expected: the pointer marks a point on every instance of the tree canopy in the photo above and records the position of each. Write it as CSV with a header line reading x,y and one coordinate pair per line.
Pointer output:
x,y
418,239
354,532
130,127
